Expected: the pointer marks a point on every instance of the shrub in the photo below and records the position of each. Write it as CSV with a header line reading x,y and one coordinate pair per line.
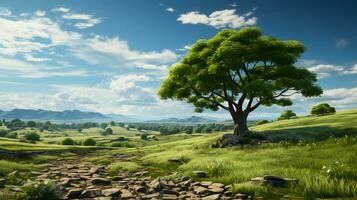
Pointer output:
x,y
31,124
144,136
89,142
68,141
34,190
259,122
322,109
288,114
108,131
121,144
103,125
32,136
3,133
11,135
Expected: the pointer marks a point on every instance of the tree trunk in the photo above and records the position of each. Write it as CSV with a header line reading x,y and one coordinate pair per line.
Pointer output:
x,y
240,125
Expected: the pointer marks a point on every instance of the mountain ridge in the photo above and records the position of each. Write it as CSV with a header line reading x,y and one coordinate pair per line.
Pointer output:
x,y
49,115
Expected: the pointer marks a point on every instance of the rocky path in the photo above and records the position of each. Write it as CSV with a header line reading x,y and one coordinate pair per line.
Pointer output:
x,y
85,180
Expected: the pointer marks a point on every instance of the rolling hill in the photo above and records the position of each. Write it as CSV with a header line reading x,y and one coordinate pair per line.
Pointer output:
x,y
61,116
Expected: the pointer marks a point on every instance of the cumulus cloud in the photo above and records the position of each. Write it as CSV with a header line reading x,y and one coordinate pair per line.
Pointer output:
x,y
219,19
30,58
341,97
124,83
115,52
170,9
83,20
327,70
21,35
40,13
352,70
185,48
61,9
42,35
13,67
5,12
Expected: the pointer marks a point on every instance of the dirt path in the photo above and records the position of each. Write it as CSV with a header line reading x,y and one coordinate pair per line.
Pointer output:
x,y
85,180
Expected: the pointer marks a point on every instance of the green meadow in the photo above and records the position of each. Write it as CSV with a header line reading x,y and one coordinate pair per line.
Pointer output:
x,y
318,151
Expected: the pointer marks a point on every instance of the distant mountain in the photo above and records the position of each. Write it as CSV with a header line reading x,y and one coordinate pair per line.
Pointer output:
x,y
122,118
188,120
63,116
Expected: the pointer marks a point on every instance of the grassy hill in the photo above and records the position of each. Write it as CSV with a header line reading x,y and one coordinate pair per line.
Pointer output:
x,y
313,127
325,166
306,161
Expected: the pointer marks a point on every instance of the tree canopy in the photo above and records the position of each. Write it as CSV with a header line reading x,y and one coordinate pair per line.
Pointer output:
x,y
322,109
287,114
239,70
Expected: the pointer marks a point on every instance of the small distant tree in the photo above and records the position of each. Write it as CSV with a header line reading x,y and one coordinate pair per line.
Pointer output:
x,y
16,124
68,141
287,114
79,130
12,135
108,131
189,130
112,123
47,126
121,124
31,124
3,132
144,136
32,136
322,109
259,122
103,125
89,142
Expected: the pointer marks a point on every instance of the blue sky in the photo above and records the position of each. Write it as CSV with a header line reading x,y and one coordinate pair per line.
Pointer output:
x,y
110,56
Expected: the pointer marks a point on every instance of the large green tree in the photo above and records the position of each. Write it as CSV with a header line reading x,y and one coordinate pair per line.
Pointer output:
x,y
239,70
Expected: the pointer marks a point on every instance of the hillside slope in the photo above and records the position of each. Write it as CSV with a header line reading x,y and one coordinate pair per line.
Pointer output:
x,y
313,127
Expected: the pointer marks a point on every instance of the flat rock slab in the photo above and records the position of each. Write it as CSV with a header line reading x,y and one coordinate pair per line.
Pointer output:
x,y
100,181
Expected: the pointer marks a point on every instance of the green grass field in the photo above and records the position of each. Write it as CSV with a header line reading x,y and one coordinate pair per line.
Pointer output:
x,y
303,161
323,159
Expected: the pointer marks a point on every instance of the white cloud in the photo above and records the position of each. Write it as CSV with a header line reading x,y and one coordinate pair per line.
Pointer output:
x,y
125,82
5,12
327,70
219,19
12,67
115,52
324,71
170,9
193,17
40,13
352,70
84,20
22,35
234,5
341,43
324,68
40,35
185,48
341,97
61,9
30,58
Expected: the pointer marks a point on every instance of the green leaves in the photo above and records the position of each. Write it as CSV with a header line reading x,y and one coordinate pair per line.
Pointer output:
x,y
216,72
322,109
